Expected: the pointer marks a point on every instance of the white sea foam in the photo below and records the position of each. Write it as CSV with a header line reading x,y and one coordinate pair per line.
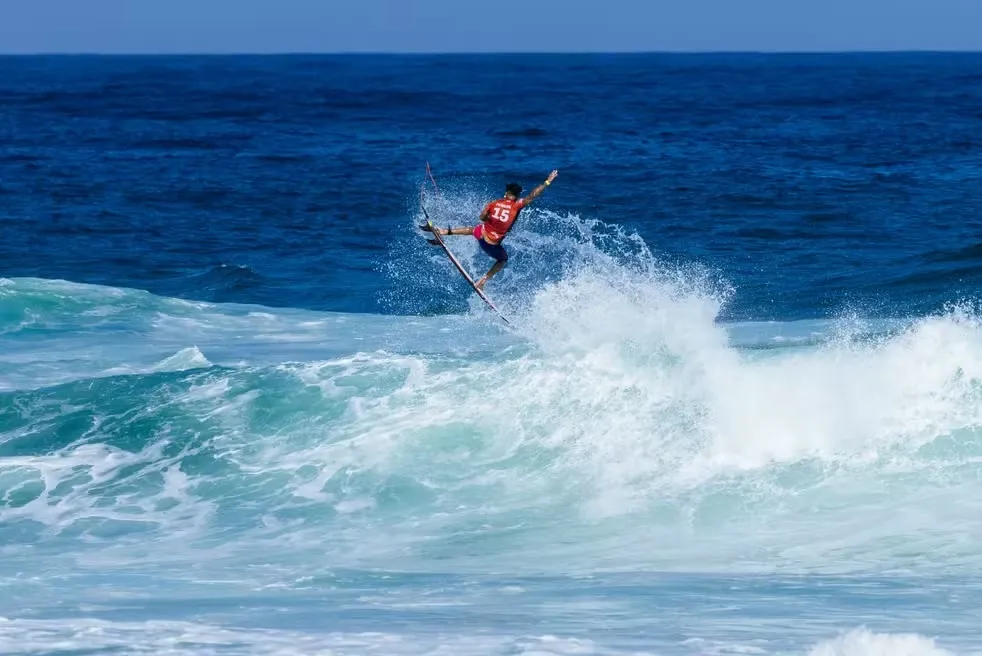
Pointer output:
x,y
862,642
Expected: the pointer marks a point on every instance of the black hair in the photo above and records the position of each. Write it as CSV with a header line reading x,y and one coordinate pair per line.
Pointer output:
x,y
513,188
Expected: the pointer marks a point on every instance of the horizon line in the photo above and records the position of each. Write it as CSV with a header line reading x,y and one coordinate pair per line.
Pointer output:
x,y
474,53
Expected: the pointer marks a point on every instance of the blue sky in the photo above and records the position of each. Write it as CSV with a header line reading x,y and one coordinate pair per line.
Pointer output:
x,y
113,26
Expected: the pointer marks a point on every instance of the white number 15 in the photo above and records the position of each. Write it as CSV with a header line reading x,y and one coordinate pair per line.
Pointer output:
x,y
501,213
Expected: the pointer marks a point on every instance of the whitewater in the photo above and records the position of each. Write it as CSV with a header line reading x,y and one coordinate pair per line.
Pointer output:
x,y
619,472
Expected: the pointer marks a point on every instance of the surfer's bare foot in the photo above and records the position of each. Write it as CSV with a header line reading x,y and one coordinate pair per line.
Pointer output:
x,y
425,228
480,283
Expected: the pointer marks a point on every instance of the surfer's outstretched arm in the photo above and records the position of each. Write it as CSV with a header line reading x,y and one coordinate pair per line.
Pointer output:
x,y
542,187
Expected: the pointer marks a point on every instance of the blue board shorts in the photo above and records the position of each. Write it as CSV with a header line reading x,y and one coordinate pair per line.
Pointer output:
x,y
497,251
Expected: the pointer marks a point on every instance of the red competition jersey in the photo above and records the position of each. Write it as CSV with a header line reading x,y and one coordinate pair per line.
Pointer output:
x,y
501,215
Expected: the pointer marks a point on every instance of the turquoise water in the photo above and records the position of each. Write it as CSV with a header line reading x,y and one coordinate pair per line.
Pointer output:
x,y
209,478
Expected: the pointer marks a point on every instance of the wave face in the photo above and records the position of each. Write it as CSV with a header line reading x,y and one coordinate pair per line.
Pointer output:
x,y
289,458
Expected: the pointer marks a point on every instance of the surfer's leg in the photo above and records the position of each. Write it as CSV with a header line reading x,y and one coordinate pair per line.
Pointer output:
x,y
448,230
498,252
498,266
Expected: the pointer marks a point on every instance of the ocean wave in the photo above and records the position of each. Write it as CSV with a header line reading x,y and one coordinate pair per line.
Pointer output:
x,y
632,433
617,424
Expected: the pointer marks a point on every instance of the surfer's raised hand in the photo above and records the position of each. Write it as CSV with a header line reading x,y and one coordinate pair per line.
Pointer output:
x,y
542,187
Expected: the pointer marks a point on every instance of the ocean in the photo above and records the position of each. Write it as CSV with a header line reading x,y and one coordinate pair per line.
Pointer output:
x,y
245,408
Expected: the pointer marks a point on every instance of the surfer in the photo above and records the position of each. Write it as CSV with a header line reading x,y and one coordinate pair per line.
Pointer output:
x,y
497,219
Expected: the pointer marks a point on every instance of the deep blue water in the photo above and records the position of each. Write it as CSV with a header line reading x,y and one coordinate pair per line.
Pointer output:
x,y
815,185
246,409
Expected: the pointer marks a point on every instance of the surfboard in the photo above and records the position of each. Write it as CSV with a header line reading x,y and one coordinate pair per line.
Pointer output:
x,y
453,258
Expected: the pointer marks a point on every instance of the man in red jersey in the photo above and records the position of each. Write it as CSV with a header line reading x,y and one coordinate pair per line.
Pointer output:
x,y
497,219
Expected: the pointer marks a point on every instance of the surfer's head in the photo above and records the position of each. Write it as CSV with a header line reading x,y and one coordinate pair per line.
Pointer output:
x,y
513,189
